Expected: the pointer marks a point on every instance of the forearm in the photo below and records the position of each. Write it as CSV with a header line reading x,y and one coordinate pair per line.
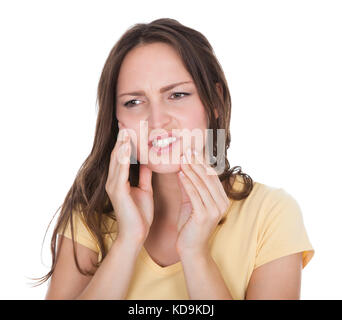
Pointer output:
x,y
112,278
203,278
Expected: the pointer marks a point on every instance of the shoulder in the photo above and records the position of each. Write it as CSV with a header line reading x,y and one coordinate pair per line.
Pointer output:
x,y
276,202
262,195
265,197
79,228
280,227
264,204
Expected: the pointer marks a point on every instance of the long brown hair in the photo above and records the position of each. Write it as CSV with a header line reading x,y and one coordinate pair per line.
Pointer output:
x,y
88,189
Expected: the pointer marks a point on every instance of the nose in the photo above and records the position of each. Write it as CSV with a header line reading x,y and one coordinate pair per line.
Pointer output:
x,y
157,117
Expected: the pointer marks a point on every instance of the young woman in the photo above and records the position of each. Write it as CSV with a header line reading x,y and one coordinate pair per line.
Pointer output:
x,y
169,229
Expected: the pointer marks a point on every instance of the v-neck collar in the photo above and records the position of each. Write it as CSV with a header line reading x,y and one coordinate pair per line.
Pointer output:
x,y
158,268
175,267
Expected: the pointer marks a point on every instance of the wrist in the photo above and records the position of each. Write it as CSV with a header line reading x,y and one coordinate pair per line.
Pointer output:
x,y
194,254
131,240
128,245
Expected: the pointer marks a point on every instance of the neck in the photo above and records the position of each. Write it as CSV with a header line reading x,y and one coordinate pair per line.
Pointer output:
x,y
167,197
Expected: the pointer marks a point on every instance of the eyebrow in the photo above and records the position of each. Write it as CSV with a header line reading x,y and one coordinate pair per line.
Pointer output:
x,y
164,89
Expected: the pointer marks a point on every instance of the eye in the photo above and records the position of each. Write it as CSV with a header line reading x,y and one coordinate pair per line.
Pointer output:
x,y
129,103
185,93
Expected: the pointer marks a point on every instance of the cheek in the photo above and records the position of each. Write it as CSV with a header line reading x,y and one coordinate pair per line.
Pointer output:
x,y
132,122
139,141
133,129
128,118
196,122
195,119
195,114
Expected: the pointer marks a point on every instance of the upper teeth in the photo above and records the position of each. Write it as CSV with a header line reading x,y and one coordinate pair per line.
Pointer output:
x,y
163,142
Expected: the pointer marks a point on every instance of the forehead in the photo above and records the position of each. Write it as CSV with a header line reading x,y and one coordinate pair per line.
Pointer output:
x,y
151,66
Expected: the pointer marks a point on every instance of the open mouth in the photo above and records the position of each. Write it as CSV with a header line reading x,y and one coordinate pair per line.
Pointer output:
x,y
163,145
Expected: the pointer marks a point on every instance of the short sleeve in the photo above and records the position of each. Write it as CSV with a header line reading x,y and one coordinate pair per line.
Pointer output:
x,y
282,231
82,234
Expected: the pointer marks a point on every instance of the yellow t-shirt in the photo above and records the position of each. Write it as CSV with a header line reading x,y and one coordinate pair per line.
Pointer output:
x,y
267,225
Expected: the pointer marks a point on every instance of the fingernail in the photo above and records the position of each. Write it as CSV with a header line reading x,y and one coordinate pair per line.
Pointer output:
x,y
181,174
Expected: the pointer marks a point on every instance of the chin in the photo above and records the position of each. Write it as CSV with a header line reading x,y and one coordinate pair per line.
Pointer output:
x,y
164,168
165,163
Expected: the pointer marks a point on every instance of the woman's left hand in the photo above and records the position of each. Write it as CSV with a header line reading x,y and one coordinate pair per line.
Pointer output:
x,y
204,204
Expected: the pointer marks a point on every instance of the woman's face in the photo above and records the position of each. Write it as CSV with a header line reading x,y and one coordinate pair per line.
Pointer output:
x,y
179,110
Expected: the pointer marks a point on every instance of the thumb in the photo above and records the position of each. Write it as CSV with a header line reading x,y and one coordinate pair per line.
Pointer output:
x,y
184,216
145,178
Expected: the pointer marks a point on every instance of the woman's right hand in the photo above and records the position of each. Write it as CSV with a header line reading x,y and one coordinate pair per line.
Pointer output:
x,y
133,206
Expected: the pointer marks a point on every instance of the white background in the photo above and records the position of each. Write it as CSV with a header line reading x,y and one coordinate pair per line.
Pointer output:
x,y
282,60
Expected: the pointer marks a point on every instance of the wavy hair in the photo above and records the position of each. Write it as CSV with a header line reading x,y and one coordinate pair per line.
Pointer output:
x,y
88,189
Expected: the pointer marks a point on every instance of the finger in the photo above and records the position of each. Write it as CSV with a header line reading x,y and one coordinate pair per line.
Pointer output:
x,y
184,216
120,149
122,170
120,158
113,164
212,173
194,196
211,180
201,188
215,179
145,178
